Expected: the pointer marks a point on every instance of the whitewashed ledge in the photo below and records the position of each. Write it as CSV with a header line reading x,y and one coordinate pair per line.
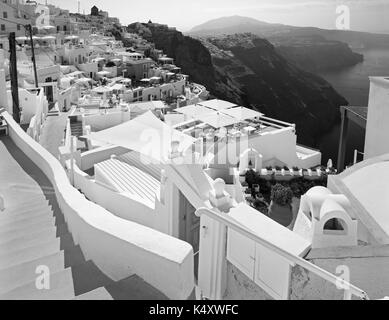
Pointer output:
x,y
118,247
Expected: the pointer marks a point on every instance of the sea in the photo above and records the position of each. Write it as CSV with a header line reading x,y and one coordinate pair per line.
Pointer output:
x,y
353,83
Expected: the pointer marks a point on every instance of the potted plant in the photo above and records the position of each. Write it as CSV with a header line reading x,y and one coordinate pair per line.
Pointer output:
x,y
280,209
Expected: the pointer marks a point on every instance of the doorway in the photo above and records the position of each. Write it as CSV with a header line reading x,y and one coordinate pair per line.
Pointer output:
x,y
189,227
49,92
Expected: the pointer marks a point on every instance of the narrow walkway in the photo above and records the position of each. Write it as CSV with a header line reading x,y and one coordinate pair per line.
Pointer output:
x,y
33,232
53,133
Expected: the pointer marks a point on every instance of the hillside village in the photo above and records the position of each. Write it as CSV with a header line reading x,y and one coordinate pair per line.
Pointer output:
x,y
129,180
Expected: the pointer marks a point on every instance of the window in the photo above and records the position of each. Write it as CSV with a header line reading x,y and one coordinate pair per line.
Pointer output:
x,y
18,27
135,94
5,14
3,27
335,226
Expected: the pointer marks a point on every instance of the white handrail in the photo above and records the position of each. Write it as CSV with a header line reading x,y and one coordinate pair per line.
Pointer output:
x,y
236,226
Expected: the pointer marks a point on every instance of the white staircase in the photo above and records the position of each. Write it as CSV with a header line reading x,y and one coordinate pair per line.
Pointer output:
x,y
34,238
28,240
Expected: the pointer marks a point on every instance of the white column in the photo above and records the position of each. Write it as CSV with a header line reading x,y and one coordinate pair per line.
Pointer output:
x,y
212,259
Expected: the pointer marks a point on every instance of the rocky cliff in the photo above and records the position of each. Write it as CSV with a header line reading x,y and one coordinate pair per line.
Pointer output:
x,y
316,54
248,70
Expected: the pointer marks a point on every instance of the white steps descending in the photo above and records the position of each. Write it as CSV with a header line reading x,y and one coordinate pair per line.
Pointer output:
x,y
21,223
30,214
127,178
143,163
24,209
97,294
32,236
33,240
24,273
26,205
13,258
28,225
60,288
27,236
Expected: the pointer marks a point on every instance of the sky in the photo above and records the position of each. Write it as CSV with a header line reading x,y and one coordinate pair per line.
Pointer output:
x,y
365,15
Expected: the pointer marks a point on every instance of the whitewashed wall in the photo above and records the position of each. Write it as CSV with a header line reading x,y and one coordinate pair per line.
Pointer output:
x,y
118,247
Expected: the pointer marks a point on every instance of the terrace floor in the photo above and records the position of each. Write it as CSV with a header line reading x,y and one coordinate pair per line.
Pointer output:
x,y
53,133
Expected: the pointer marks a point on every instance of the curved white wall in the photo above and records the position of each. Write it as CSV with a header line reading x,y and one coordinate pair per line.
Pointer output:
x,y
118,247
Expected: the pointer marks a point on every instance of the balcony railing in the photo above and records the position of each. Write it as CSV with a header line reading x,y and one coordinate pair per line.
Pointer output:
x,y
349,289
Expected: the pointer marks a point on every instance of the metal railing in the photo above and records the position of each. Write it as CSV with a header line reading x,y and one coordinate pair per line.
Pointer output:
x,y
349,289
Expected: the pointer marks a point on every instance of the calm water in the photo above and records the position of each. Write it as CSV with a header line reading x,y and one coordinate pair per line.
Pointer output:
x,y
353,84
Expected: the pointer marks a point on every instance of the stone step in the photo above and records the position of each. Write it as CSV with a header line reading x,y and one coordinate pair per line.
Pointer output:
x,y
22,220
28,224
33,228
27,241
134,288
26,210
97,294
24,273
29,253
88,277
25,215
25,204
60,288
27,236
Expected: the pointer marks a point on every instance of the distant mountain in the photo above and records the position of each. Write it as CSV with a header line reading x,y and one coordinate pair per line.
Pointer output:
x,y
272,32
233,24
247,70
312,49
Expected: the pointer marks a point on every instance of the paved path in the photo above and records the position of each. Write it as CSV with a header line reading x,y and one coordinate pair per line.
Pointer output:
x,y
53,133
15,184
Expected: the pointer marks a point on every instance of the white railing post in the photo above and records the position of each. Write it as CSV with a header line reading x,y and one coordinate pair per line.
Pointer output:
x,y
347,294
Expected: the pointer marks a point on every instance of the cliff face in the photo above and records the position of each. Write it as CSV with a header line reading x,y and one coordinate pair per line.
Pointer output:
x,y
276,87
188,53
315,54
248,71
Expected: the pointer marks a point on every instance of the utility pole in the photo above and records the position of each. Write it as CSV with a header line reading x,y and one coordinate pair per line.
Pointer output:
x,y
14,77
29,31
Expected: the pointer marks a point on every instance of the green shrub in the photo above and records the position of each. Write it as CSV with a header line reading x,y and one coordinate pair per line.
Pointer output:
x,y
283,196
